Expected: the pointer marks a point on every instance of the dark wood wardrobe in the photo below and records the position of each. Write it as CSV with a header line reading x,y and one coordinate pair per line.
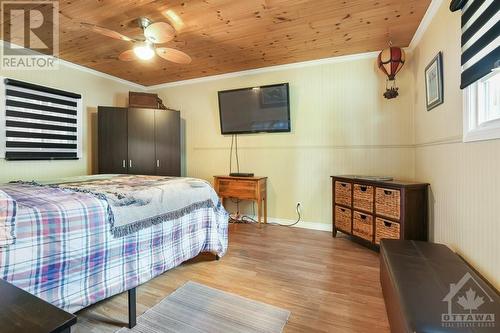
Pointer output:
x,y
139,141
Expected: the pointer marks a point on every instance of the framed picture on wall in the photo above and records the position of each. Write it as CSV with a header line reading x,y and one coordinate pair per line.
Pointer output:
x,y
434,82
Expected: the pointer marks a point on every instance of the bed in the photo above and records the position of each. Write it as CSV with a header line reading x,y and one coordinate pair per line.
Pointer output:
x,y
74,242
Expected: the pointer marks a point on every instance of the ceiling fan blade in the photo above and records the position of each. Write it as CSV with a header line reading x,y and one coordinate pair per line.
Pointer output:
x,y
159,32
174,19
128,55
173,55
106,32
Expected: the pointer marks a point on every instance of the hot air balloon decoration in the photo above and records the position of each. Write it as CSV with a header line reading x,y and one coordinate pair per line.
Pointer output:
x,y
390,61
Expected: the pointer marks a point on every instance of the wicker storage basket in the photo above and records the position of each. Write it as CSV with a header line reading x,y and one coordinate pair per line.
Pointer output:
x,y
388,202
362,226
343,193
363,197
385,229
343,219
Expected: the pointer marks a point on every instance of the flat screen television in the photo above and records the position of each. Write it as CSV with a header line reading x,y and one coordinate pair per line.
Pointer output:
x,y
254,110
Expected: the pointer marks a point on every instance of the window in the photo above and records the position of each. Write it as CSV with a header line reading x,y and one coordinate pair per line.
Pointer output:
x,y
482,109
39,123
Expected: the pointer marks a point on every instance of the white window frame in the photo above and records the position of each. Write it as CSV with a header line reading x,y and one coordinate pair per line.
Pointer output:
x,y
473,130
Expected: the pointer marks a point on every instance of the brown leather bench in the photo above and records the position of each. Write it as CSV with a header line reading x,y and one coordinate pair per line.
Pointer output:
x,y
429,288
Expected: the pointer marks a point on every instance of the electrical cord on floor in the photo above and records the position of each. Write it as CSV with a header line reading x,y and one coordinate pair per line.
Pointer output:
x,y
247,219
235,218
297,209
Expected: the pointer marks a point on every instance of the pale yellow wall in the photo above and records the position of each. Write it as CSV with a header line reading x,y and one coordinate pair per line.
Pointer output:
x,y
95,90
464,177
340,124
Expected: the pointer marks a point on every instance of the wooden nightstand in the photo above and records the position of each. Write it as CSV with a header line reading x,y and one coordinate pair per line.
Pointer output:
x,y
21,312
244,188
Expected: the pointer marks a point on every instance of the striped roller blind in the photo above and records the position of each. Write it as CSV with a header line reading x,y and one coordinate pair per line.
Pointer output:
x,y
40,123
480,38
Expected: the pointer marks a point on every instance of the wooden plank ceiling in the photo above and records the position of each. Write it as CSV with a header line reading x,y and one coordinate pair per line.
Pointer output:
x,y
224,36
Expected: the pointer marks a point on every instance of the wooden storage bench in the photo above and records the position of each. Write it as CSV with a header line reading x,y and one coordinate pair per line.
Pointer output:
x,y
371,210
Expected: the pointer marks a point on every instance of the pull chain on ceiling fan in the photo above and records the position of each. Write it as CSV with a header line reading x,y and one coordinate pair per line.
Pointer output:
x,y
145,49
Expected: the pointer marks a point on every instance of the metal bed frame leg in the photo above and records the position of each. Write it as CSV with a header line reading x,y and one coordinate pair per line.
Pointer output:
x,y
132,304
132,313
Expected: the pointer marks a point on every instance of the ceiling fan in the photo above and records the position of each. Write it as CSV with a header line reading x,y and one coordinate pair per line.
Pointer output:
x,y
145,47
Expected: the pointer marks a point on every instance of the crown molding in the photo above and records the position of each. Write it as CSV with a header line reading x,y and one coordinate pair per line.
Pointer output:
x,y
85,69
424,24
100,74
332,60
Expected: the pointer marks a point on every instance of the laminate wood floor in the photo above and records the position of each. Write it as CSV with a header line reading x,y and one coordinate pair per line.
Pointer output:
x,y
329,284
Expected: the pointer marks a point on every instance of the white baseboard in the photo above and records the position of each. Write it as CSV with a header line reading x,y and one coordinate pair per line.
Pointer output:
x,y
301,224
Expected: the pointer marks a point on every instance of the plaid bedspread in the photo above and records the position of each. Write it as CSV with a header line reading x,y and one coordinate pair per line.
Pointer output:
x,y
65,253
138,201
8,209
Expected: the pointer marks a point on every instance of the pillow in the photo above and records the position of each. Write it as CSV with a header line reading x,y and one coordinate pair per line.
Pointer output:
x,y
8,208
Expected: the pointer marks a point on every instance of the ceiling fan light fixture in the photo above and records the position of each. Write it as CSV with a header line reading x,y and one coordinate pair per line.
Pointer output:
x,y
144,51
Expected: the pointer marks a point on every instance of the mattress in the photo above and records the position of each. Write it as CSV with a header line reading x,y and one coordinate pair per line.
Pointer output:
x,y
65,253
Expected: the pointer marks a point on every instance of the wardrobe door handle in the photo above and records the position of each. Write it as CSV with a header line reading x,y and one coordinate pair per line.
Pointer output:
x,y
124,164
157,163
130,163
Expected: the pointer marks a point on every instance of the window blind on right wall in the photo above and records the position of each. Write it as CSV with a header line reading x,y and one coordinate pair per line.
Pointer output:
x,y
480,38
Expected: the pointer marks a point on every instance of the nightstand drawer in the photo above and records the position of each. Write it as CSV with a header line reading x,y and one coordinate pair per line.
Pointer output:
x,y
343,193
243,189
388,202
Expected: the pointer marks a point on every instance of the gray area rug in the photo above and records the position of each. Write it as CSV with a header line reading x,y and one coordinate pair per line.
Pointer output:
x,y
196,308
